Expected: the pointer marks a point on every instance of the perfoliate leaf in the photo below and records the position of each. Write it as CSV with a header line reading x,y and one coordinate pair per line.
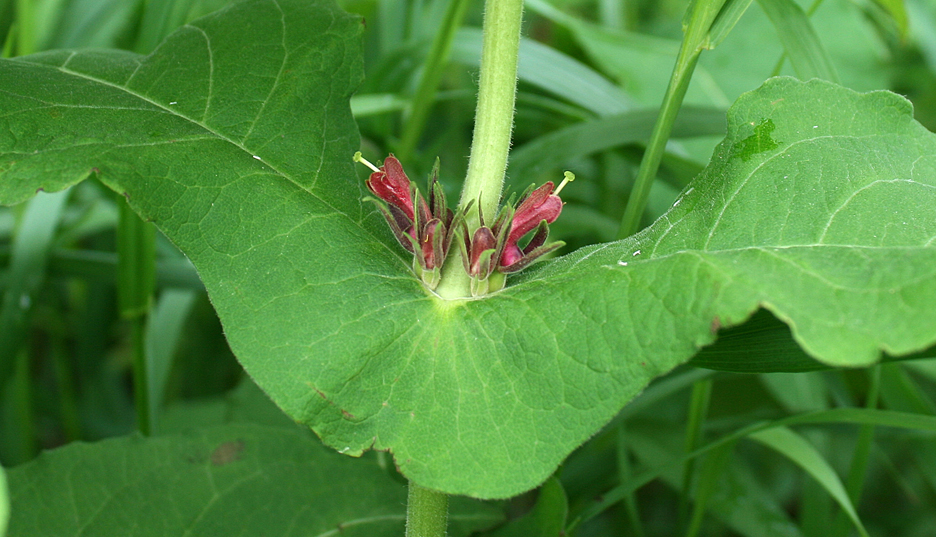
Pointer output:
x,y
235,137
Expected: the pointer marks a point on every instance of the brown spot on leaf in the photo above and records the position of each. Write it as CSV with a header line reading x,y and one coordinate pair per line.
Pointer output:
x,y
227,453
716,325
347,415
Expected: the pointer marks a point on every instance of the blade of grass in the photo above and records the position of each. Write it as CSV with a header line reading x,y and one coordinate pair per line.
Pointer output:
x,y
431,76
159,18
726,20
588,137
803,454
862,455
709,478
611,13
552,106
797,392
23,444
897,12
741,500
625,473
900,391
136,275
553,71
9,42
924,29
25,26
29,256
392,16
93,23
163,333
639,61
800,41
814,508
658,391
36,23
783,56
373,104
699,18
855,416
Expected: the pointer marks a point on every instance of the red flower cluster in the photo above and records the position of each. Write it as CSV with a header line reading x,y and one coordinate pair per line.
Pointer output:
x,y
427,229
424,229
496,248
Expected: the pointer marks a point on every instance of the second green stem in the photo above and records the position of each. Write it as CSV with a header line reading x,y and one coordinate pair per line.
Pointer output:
x,y
136,247
702,14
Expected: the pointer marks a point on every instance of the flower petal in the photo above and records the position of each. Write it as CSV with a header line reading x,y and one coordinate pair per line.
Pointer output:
x,y
393,186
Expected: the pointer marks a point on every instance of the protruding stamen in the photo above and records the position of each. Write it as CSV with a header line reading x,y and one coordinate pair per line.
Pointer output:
x,y
360,158
569,177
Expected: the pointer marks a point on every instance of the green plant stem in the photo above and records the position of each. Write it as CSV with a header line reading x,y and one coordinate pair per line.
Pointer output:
x,y
493,125
136,247
496,96
698,409
632,513
702,13
430,78
426,512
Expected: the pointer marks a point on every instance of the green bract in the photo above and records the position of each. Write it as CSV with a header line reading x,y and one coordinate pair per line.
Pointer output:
x,y
234,137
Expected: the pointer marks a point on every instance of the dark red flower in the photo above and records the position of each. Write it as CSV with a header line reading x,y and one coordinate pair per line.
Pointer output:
x,y
483,247
540,206
424,228
391,184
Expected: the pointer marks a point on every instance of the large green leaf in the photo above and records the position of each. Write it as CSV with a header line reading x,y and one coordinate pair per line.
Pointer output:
x,y
238,479
235,137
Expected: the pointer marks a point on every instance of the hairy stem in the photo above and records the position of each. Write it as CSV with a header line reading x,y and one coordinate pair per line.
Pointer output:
x,y
496,96
493,125
426,512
